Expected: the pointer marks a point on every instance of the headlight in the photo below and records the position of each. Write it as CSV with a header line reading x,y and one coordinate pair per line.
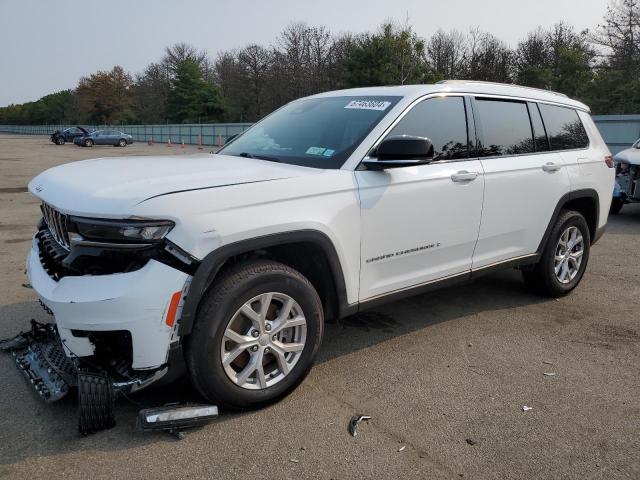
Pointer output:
x,y
122,231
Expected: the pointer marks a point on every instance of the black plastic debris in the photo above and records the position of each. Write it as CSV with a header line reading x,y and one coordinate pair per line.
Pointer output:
x,y
355,421
40,357
95,402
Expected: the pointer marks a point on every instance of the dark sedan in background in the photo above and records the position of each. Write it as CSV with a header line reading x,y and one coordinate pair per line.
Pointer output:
x,y
60,137
104,137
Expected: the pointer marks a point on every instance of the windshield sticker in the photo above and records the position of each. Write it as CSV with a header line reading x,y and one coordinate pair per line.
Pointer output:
x,y
328,152
315,151
368,104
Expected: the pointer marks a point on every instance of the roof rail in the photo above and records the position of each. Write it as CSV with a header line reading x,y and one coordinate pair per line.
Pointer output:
x,y
481,82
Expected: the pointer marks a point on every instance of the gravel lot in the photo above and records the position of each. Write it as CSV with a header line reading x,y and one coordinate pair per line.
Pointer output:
x,y
433,372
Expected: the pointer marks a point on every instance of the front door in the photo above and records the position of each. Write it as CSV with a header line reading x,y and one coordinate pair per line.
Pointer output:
x,y
421,223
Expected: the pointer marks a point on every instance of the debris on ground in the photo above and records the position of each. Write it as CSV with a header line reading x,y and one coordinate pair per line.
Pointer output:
x,y
549,374
26,285
294,460
526,409
175,418
471,441
402,448
547,363
355,421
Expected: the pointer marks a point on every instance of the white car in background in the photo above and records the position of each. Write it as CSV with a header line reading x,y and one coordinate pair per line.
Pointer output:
x,y
333,204
627,188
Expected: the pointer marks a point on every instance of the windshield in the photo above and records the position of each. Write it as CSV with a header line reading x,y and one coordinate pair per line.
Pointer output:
x,y
316,132
637,144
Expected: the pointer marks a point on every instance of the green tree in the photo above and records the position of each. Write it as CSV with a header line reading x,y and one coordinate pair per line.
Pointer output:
x,y
557,59
391,56
105,97
191,98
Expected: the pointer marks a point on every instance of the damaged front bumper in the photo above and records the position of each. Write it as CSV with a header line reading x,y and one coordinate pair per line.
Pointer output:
x,y
113,333
91,308
40,356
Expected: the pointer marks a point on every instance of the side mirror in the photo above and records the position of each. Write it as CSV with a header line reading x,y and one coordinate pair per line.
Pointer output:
x,y
401,151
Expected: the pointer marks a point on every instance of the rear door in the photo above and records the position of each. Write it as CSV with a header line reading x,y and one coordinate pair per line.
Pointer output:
x,y
524,180
420,223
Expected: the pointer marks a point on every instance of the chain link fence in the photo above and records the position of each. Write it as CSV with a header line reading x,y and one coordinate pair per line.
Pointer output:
x,y
190,134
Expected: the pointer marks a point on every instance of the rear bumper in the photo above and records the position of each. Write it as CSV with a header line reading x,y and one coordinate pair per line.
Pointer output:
x,y
136,302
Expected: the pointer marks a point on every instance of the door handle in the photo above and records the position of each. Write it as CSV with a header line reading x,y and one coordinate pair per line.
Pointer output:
x,y
551,167
464,176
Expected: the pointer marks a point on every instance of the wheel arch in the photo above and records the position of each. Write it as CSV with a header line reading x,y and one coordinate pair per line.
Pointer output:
x,y
318,245
587,202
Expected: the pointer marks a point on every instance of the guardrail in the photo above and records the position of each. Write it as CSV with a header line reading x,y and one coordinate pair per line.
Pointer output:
x,y
618,131
192,134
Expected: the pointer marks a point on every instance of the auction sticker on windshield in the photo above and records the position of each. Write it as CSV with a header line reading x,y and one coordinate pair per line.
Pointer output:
x,y
368,104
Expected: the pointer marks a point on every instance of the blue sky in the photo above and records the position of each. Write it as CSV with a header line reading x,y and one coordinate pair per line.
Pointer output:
x,y
49,45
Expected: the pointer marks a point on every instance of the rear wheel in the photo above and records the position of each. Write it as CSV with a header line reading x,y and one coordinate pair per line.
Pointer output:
x,y
256,335
88,142
564,258
616,206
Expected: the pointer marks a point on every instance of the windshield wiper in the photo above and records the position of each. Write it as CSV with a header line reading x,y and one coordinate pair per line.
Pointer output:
x,y
259,157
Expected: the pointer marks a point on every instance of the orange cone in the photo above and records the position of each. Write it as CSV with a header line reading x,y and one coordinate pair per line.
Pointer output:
x,y
182,146
219,140
199,141
169,143
150,142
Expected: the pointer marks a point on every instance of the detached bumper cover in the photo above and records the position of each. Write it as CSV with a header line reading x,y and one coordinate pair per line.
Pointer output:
x,y
136,302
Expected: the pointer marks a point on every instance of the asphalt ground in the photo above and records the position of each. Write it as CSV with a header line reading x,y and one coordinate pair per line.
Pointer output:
x,y
444,377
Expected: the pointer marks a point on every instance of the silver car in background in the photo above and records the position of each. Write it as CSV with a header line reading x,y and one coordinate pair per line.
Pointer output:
x,y
104,137
627,188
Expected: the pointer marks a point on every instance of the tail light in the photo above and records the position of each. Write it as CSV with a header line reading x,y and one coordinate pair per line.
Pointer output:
x,y
609,161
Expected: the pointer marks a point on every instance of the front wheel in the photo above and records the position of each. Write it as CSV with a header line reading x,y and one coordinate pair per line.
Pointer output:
x,y
564,258
122,142
88,143
256,335
60,141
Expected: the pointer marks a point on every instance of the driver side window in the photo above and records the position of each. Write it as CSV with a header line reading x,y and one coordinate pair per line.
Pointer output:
x,y
442,120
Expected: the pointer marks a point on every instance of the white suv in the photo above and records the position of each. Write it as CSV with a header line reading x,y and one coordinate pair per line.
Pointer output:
x,y
332,204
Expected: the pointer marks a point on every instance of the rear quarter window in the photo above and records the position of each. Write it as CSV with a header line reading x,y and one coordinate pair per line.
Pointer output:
x,y
564,127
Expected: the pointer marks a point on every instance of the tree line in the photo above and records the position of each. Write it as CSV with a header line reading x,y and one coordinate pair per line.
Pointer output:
x,y
600,66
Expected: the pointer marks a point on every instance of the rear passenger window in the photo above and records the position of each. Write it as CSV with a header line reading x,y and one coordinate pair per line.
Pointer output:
x,y
539,133
564,127
505,126
443,121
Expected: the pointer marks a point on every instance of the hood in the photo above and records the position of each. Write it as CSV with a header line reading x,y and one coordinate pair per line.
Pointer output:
x,y
630,155
112,186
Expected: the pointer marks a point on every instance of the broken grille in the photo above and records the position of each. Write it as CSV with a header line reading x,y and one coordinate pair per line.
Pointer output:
x,y
58,225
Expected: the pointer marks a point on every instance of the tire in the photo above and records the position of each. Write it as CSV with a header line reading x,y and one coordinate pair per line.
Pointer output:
x,y
219,313
616,206
543,279
60,140
88,142
122,143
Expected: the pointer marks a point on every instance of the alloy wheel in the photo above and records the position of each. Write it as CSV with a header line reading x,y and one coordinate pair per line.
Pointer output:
x,y
263,341
568,257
